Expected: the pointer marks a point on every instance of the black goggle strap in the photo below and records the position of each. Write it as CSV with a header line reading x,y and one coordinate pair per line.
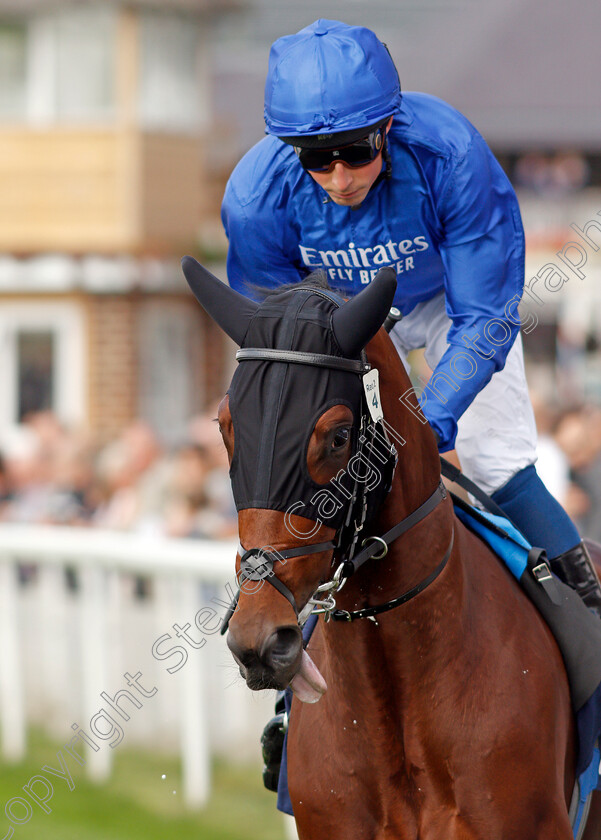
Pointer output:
x,y
257,564
369,433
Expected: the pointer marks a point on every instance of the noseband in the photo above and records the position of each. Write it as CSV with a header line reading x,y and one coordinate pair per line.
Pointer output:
x,y
257,564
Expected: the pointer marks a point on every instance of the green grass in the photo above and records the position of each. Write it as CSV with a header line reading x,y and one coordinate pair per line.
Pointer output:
x,y
138,804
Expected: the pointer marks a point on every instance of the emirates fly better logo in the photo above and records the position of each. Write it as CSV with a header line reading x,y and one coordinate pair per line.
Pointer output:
x,y
363,264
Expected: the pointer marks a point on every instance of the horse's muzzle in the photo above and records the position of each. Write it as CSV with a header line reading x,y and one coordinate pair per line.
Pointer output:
x,y
274,662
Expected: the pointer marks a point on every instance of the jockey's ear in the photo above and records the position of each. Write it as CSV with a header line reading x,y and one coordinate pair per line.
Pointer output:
x,y
357,322
232,311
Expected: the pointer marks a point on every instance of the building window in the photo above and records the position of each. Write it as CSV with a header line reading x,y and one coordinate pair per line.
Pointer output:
x,y
170,376
59,66
13,70
36,359
85,41
43,363
170,97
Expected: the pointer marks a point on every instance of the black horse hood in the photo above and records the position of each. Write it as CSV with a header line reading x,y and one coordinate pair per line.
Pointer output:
x,y
274,404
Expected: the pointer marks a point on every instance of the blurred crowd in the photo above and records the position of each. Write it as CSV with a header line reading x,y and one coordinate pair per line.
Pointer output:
x,y
52,475
569,461
556,173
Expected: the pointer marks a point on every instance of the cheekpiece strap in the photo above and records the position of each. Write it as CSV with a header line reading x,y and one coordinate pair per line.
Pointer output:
x,y
374,548
296,357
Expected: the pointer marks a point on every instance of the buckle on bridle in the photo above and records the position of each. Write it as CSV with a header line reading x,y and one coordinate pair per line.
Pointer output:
x,y
323,606
382,542
256,564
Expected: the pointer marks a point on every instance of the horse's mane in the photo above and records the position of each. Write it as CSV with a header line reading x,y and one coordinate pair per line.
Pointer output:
x,y
318,279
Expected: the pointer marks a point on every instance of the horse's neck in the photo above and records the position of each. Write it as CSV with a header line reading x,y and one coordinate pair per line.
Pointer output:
x,y
414,555
393,662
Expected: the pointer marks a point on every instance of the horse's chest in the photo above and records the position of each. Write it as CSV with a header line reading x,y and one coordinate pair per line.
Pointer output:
x,y
346,784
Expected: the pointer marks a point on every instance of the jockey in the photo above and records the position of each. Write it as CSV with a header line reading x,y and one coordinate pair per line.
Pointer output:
x,y
354,176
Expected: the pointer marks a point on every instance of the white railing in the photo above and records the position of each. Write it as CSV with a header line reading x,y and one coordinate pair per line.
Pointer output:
x,y
81,609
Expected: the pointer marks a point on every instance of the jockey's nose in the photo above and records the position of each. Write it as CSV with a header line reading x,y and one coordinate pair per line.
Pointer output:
x,y
341,176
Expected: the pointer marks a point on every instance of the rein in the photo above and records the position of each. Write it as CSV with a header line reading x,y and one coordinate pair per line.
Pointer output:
x,y
420,513
370,612
378,549
351,566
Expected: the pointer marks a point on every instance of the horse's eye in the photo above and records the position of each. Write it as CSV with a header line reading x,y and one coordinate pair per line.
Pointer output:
x,y
340,438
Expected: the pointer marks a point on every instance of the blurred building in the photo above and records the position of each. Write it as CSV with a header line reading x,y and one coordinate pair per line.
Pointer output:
x,y
104,121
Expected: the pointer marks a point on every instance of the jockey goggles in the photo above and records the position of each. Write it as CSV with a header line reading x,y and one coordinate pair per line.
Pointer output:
x,y
357,154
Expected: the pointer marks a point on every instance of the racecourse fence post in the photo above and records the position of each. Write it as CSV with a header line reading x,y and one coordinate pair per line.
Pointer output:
x,y
52,604
93,635
65,641
194,721
12,713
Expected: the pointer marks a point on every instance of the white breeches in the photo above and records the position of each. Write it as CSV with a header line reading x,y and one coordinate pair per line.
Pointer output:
x,y
497,434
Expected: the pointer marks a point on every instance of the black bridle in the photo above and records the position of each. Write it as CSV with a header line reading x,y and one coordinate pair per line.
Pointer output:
x,y
258,564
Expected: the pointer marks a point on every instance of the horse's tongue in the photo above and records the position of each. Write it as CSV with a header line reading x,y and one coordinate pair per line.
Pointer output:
x,y
308,684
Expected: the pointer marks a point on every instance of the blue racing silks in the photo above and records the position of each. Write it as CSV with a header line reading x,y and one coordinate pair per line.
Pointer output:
x,y
447,219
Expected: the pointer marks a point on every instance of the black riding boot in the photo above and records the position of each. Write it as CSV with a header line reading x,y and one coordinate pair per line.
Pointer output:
x,y
272,742
575,568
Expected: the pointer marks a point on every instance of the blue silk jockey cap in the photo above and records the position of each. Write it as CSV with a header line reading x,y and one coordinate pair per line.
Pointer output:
x,y
329,78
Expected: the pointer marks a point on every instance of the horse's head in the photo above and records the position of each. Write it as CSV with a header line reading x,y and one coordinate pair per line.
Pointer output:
x,y
307,462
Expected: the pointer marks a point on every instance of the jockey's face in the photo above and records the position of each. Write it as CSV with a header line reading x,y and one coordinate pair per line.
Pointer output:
x,y
348,185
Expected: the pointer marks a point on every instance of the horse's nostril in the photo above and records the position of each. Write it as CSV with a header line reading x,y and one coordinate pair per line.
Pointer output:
x,y
282,648
274,662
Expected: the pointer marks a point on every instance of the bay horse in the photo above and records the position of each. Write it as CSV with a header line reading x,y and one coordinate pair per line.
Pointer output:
x,y
446,715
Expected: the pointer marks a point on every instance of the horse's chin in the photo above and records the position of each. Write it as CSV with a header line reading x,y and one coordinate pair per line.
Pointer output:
x,y
308,685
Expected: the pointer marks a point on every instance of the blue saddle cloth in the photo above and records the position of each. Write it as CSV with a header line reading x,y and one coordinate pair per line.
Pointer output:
x,y
512,547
